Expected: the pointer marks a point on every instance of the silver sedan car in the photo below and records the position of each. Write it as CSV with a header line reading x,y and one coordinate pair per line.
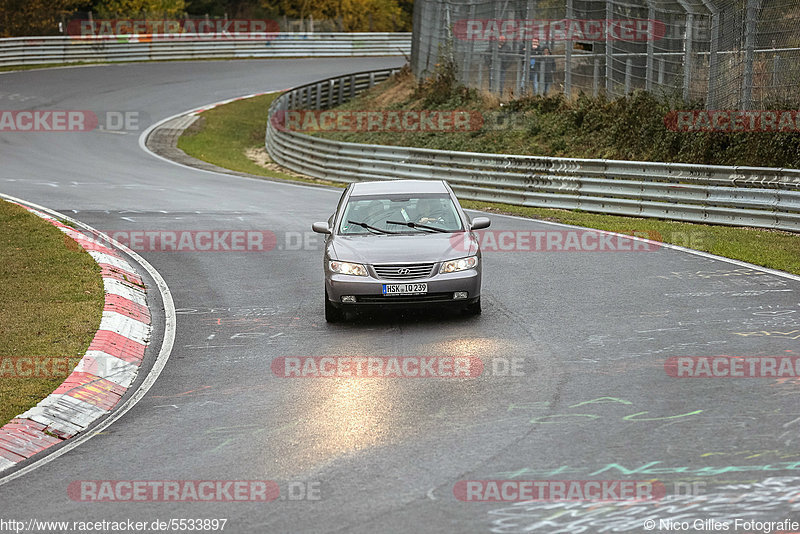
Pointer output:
x,y
400,243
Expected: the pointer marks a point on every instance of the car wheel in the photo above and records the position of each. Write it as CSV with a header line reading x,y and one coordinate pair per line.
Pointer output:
x,y
473,308
332,313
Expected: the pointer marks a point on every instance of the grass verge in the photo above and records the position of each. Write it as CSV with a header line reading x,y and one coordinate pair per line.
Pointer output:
x,y
230,131
225,135
769,248
51,302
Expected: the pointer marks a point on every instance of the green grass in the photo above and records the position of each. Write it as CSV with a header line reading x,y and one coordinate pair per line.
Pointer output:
x,y
223,135
773,249
42,66
231,129
51,302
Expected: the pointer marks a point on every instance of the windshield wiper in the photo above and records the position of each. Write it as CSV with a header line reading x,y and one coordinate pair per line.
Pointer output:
x,y
412,224
372,228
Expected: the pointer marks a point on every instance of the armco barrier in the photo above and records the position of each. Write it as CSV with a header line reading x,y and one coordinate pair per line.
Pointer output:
x,y
738,196
17,51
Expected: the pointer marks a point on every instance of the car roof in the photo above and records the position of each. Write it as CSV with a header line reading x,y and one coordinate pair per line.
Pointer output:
x,y
398,187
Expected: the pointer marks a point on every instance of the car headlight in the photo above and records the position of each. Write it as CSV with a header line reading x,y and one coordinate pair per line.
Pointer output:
x,y
343,267
459,265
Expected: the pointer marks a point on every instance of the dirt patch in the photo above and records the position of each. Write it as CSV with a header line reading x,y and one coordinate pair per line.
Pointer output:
x,y
260,157
401,90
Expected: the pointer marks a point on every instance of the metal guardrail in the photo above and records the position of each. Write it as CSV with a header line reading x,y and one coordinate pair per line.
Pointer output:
x,y
18,51
738,196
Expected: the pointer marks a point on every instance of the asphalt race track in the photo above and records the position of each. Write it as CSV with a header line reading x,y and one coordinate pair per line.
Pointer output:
x,y
590,332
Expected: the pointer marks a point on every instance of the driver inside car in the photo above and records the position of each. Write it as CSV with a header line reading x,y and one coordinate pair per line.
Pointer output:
x,y
429,210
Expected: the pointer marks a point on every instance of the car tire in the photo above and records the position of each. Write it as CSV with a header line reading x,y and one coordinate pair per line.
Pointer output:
x,y
473,308
332,313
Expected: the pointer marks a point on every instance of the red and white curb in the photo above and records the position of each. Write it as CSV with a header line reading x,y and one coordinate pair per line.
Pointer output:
x,y
107,369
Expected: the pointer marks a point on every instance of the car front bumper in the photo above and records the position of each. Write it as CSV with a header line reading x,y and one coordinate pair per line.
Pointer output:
x,y
368,291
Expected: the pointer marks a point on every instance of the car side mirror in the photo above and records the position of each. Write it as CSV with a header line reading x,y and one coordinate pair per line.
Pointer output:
x,y
479,223
322,228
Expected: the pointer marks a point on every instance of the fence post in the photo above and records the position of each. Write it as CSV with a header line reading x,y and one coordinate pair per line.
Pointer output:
x,y
568,56
776,67
340,81
713,53
749,49
609,51
687,48
470,45
651,16
596,77
319,96
628,66
495,69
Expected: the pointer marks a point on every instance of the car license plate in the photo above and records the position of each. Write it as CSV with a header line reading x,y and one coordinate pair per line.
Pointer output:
x,y
405,289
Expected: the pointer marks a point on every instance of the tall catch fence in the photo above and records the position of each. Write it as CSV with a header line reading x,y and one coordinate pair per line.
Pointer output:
x,y
729,54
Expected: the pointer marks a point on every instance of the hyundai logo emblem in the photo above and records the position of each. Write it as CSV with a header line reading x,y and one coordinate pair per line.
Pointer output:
x,y
403,270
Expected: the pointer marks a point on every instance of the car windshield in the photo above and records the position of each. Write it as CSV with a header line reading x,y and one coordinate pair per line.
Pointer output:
x,y
400,214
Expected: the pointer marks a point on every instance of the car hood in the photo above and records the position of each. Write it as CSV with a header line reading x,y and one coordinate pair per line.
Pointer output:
x,y
417,248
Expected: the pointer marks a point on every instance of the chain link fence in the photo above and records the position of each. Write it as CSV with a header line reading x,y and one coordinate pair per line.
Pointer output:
x,y
729,54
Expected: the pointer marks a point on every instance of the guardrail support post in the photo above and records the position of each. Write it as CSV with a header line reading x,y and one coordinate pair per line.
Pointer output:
x,y
319,96
371,80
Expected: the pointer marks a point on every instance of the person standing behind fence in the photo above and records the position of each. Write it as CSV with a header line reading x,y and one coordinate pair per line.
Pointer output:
x,y
504,56
535,65
549,67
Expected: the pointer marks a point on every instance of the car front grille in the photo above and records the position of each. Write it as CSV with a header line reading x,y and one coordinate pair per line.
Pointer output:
x,y
408,271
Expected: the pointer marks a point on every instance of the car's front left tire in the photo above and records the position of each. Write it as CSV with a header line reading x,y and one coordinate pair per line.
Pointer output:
x,y
332,313
473,308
